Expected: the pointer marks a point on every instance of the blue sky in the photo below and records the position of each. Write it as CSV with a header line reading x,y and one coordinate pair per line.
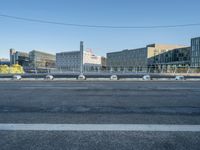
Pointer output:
x,y
26,36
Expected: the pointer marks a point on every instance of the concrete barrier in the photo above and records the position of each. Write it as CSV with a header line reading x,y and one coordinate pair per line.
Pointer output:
x,y
98,77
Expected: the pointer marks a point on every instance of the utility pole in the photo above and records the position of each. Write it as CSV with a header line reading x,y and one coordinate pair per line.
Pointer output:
x,y
81,54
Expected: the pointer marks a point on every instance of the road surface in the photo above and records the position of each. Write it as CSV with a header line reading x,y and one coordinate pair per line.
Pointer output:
x,y
129,115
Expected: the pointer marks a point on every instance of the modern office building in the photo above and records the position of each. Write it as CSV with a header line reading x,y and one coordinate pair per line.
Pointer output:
x,y
71,61
40,59
17,57
157,49
179,57
137,59
91,61
104,62
195,52
129,59
68,60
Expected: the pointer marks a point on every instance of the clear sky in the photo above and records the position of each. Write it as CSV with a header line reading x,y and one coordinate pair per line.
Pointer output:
x,y
26,36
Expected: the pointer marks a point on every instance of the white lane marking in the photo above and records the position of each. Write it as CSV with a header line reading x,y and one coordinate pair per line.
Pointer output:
x,y
100,88
100,127
55,87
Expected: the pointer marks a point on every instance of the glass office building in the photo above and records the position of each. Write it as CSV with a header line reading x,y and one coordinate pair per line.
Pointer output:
x,y
41,60
18,57
195,52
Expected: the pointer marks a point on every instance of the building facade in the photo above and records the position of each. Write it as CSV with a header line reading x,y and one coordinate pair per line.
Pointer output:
x,y
127,59
40,59
17,57
195,52
170,60
174,57
72,60
4,61
104,62
137,59
68,60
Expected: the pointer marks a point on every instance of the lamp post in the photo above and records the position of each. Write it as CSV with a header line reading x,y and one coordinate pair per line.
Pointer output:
x,y
81,76
81,54
35,64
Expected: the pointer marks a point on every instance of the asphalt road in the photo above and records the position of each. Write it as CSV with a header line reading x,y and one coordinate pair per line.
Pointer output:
x,y
89,102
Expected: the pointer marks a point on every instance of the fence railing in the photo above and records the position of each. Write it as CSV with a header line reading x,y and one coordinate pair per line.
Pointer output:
x,y
149,70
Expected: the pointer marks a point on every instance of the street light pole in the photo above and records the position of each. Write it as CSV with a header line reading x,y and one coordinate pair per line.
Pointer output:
x,y
35,64
81,54
81,76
